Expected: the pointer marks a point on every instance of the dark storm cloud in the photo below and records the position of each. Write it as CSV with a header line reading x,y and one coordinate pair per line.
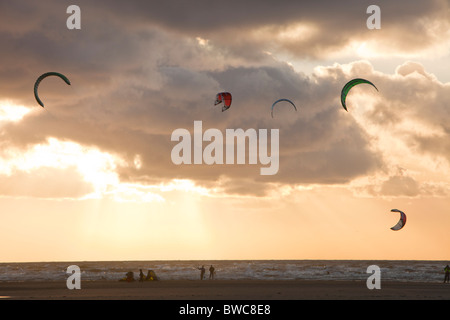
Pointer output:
x,y
405,25
318,143
138,73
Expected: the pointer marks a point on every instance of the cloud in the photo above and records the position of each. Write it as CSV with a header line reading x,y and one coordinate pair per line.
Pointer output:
x,y
45,183
400,185
319,143
411,67
145,70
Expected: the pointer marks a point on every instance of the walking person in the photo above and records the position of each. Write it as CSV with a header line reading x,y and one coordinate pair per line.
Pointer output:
x,y
202,272
141,276
211,273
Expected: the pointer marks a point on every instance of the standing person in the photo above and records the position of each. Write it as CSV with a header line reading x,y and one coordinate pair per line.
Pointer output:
x,y
130,276
151,276
141,276
447,274
202,272
211,273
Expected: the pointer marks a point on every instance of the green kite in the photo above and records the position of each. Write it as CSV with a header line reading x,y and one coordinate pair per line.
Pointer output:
x,y
350,85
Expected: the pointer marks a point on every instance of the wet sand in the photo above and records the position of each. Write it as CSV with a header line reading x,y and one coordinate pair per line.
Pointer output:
x,y
224,290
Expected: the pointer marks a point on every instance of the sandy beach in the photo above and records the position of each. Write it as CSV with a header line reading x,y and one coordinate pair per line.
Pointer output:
x,y
224,290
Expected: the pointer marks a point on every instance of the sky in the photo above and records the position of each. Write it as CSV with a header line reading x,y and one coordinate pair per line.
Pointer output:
x,y
91,175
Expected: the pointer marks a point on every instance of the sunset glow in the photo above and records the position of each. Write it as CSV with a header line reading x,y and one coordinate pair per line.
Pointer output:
x,y
90,176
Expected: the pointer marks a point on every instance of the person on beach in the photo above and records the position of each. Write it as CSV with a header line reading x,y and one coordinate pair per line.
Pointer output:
x,y
202,272
447,274
141,276
129,277
151,276
211,273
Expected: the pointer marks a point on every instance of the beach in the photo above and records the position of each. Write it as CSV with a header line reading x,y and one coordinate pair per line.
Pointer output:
x,y
224,290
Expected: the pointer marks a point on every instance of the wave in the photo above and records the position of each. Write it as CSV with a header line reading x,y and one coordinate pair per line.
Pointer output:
x,y
420,271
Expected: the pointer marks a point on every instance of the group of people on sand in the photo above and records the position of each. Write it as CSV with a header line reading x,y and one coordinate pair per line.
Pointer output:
x,y
151,276
212,272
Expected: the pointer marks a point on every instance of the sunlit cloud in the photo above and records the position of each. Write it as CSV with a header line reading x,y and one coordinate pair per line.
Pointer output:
x,y
10,112
202,42
97,168
183,185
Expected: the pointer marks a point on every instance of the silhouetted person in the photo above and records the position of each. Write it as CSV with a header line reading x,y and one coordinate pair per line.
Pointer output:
x,y
141,276
447,274
202,272
130,276
151,276
211,272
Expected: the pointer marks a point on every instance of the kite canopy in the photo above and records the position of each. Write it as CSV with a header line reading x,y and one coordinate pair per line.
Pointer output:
x,y
279,100
45,75
401,223
350,85
224,97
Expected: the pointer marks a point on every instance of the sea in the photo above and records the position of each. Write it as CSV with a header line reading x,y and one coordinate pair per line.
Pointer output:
x,y
410,270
